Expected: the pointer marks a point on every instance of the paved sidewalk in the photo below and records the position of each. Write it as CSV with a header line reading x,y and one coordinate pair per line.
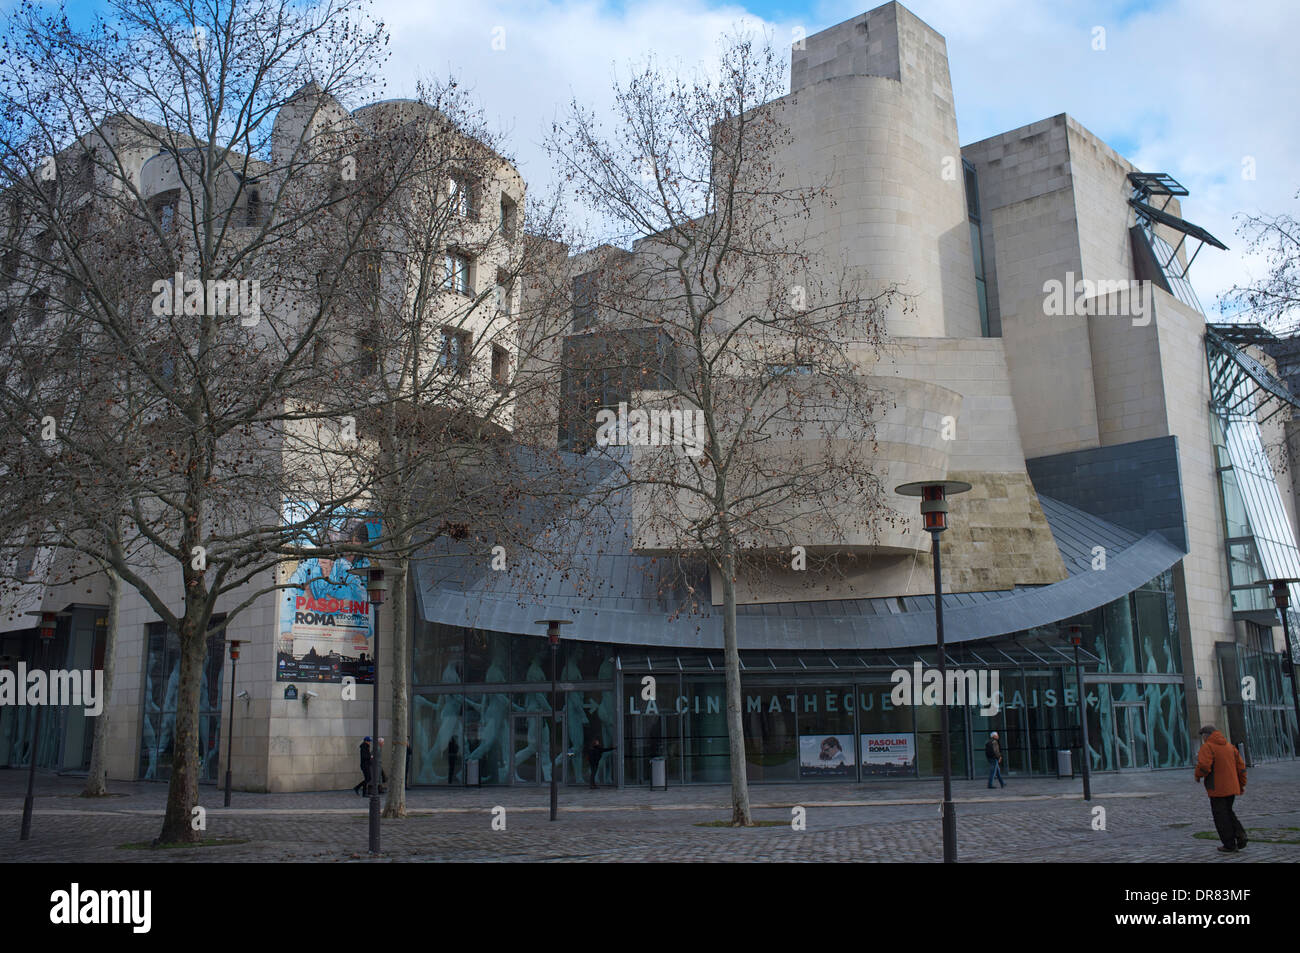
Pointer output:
x,y
1150,816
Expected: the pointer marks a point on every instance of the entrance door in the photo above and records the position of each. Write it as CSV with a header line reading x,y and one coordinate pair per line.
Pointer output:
x,y
1131,750
531,750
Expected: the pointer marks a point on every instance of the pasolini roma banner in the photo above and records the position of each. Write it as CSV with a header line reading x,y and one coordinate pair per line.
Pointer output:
x,y
324,618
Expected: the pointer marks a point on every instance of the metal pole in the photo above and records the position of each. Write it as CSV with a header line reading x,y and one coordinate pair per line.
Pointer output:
x,y
230,733
949,809
376,765
1295,691
28,802
1085,756
555,794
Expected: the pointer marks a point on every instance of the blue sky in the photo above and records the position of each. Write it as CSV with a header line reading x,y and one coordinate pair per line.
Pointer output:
x,y
1195,88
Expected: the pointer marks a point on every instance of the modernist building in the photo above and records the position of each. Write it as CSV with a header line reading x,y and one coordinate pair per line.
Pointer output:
x,y
1117,446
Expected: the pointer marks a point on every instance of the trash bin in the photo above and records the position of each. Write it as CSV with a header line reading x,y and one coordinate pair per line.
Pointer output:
x,y
1064,764
471,773
658,774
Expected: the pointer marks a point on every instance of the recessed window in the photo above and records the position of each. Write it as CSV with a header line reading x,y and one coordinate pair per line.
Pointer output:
x,y
453,352
456,277
508,209
584,300
787,370
367,352
37,305
460,196
163,209
254,208
500,366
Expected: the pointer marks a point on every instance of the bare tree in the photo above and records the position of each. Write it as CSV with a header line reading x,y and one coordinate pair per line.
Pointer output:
x,y
436,304
1273,299
169,173
766,406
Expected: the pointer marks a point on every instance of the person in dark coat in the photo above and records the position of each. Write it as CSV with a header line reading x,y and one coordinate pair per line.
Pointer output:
x,y
453,755
594,754
365,768
1220,764
408,762
993,752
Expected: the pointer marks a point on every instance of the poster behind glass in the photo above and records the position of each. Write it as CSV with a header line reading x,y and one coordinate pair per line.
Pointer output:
x,y
826,756
889,755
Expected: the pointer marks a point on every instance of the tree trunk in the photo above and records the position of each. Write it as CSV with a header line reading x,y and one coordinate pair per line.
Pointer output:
x,y
183,790
97,779
399,653
740,816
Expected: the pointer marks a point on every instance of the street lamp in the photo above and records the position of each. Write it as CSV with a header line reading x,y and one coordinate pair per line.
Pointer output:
x,y
230,732
46,629
376,586
934,513
553,635
1282,599
1076,638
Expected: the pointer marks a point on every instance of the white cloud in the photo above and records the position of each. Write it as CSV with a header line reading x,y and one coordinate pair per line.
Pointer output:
x,y
1187,87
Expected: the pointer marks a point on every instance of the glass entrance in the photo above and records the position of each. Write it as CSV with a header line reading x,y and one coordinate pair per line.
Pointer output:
x,y
1131,736
532,750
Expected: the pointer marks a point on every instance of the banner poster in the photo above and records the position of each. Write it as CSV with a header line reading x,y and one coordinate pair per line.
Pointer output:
x,y
324,618
826,756
892,754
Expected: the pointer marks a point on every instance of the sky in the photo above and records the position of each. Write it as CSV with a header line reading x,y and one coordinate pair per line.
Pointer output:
x,y
1201,89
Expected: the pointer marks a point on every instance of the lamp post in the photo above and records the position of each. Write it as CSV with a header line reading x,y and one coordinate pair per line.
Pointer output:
x,y
1076,638
230,731
934,514
553,636
376,586
1282,599
46,630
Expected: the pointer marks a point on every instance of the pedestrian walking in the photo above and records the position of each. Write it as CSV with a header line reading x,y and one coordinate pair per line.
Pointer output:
x,y
453,755
365,768
993,751
407,780
594,754
1220,764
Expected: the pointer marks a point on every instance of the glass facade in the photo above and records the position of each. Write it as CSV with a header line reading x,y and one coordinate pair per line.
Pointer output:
x,y
66,732
1256,685
162,673
805,717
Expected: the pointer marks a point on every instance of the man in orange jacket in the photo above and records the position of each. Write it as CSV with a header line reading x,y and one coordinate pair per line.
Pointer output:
x,y
1225,777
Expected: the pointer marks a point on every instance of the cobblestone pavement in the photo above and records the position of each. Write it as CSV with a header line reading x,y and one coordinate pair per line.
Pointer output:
x,y
1148,817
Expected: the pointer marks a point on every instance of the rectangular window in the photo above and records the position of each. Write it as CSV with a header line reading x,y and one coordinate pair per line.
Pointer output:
x,y
500,366
367,353
454,351
37,305
254,208
584,300
507,216
460,196
456,277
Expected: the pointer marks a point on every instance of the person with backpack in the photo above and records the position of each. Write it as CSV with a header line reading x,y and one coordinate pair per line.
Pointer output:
x,y
993,751
1220,764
